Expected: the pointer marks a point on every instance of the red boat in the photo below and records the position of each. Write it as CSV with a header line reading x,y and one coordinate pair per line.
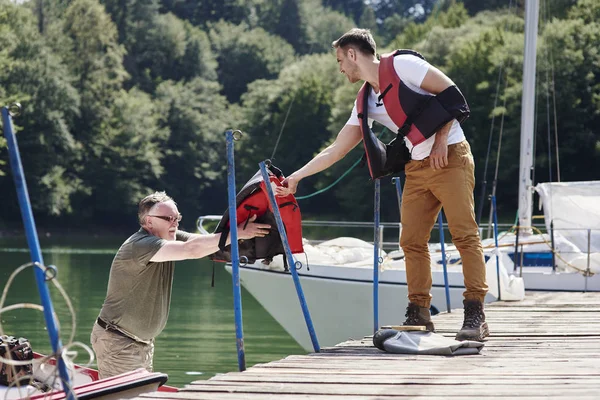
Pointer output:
x,y
86,384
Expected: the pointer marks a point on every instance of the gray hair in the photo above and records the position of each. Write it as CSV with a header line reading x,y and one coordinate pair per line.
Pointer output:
x,y
150,201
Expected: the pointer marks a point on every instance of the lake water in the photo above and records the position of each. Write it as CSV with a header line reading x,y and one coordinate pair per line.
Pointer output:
x,y
199,339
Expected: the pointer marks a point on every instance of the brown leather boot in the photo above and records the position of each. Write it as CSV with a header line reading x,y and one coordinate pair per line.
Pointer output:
x,y
474,326
416,315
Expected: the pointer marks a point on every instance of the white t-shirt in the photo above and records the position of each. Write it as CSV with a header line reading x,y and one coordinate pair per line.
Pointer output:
x,y
411,70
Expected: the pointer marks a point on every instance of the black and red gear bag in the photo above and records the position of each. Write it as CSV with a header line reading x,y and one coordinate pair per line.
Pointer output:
x,y
253,200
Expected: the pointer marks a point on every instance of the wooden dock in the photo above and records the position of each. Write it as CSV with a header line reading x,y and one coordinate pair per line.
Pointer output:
x,y
547,346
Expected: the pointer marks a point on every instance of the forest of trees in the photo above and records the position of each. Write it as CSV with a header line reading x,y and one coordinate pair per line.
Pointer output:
x,y
124,97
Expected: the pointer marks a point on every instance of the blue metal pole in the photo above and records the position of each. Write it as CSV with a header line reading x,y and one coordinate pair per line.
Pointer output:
x,y
235,253
289,256
34,248
376,256
444,265
496,243
398,184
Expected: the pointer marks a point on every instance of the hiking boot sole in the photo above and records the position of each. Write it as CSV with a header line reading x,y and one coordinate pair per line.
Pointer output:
x,y
475,336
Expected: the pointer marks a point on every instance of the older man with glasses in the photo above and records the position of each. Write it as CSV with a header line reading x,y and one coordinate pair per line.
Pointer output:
x,y
137,302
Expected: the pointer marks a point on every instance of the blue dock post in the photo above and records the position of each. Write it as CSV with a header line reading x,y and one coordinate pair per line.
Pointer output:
x,y
289,256
34,246
496,243
376,218
398,184
444,264
230,136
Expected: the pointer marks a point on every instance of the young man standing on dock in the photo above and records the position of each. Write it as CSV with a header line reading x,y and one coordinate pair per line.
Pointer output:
x,y
440,172
139,287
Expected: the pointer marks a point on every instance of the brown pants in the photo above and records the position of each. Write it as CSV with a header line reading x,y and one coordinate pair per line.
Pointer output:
x,y
117,354
425,192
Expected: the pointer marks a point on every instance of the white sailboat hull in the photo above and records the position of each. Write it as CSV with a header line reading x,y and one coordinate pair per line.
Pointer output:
x,y
340,300
340,297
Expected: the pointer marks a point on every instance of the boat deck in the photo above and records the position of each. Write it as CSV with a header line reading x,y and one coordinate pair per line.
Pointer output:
x,y
546,346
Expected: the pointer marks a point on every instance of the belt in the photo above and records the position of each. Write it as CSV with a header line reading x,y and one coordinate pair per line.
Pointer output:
x,y
107,327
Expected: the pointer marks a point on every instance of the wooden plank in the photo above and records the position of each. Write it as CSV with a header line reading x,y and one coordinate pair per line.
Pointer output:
x,y
473,389
547,346
283,396
399,379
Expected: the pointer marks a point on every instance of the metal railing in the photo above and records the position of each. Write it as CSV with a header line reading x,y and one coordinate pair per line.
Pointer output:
x,y
384,227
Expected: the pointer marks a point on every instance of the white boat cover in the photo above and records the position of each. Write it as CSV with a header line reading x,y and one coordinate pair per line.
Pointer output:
x,y
512,288
574,207
414,342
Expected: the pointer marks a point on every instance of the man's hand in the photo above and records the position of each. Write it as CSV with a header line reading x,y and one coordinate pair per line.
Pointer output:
x,y
253,229
438,158
290,184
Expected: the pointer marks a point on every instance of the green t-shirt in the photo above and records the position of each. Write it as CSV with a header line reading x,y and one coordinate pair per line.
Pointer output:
x,y
139,291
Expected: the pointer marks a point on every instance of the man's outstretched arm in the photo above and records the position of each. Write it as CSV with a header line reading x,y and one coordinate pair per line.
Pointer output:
x,y
345,141
203,245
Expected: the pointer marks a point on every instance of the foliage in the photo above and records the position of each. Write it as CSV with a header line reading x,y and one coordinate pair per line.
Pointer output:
x,y
416,10
127,157
352,8
321,26
160,46
123,97
35,77
200,13
197,117
291,112
257,53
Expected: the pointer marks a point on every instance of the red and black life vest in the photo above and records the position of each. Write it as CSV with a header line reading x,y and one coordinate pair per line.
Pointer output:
x,y
418,116
253,200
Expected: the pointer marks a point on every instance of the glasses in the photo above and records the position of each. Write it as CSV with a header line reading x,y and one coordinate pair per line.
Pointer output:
x,y
169,218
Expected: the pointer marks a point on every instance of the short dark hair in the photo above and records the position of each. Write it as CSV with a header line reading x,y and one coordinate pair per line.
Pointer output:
x,y
360,39
150,201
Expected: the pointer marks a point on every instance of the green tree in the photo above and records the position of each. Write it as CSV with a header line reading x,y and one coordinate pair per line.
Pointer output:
x,y
289,24
476,6
257,53
413,33
352,8
368,20
571,53
322,26
416,10
37,78
586,10
127,162
393,26
131,17
168,48
201,12
298,104
96,58
197,117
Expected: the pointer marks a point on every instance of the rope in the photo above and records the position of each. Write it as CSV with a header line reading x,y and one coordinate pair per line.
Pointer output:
x,y
512,230
500,134
287,114
333,184
67,355
338,179
556,253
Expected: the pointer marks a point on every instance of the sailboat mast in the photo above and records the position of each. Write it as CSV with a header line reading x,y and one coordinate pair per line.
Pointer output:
x,y
528,113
